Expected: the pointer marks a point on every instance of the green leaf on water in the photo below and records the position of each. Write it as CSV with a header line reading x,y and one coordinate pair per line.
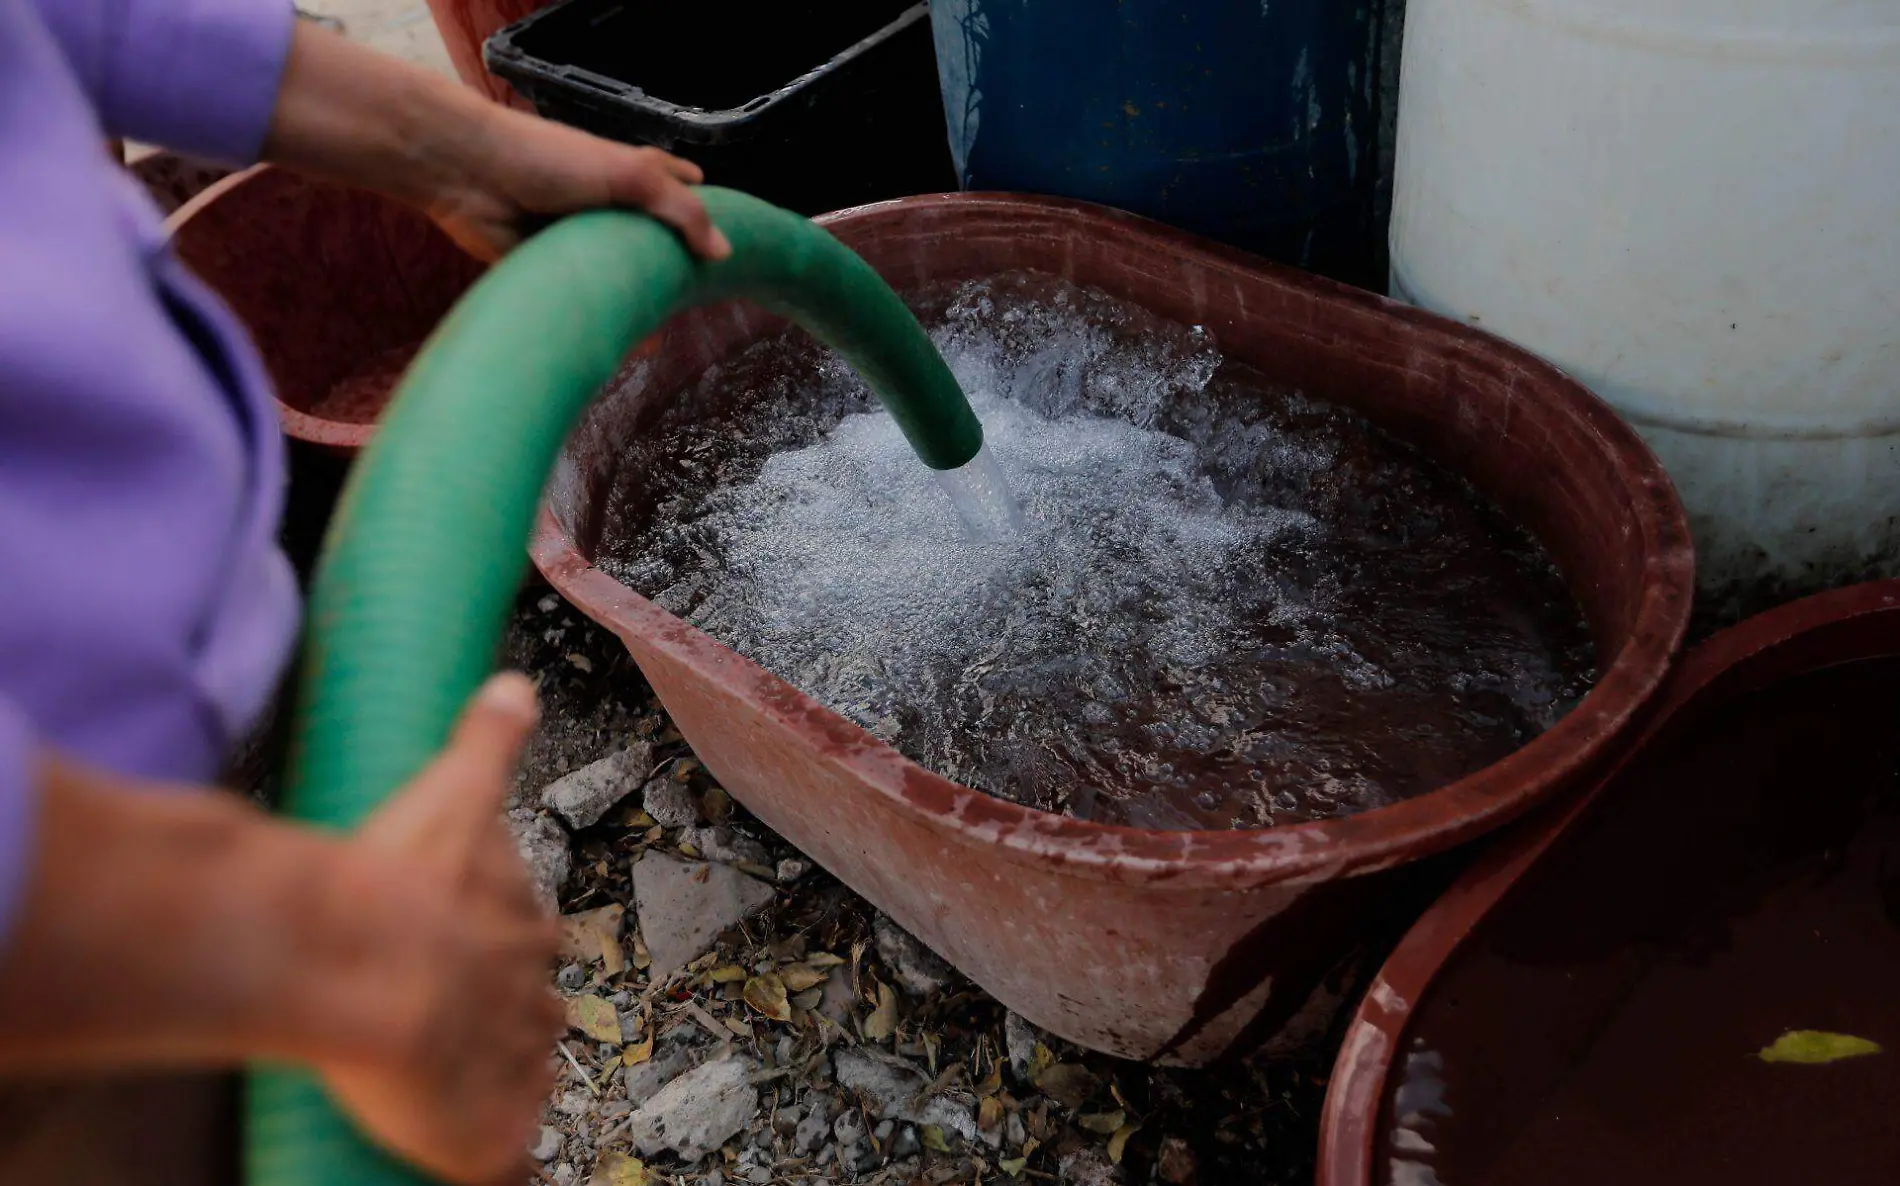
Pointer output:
x,y
1814,1047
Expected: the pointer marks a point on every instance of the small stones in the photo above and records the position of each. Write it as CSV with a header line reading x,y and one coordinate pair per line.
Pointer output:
x,y
697,1112
683,905
542,843
571,978
906,1144
674,1053
811,1132
1020,1040
1088,1167
720,843
583,797
892,1087
791,869
670,804
921,971
548,1145
1175,1163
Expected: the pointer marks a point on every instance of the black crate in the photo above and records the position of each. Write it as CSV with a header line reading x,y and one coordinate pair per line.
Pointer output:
x,y
815,105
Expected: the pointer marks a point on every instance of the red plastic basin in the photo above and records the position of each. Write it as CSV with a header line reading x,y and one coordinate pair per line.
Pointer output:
x,y
1588,1003
338,287
1173,946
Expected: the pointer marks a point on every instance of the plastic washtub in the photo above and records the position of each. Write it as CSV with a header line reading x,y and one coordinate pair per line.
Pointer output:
x,y
1688,205
338,287
811,105
1650,923
1176,946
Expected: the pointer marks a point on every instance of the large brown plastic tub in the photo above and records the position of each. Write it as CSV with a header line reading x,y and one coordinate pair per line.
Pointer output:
x,y
335,284
1487,1051
1170,946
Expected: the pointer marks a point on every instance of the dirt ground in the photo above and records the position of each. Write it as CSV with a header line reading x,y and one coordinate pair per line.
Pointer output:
x,y
802,989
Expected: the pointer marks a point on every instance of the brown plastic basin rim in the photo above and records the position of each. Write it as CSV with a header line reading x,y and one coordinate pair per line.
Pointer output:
x,y
1785,642
1309,852
337,436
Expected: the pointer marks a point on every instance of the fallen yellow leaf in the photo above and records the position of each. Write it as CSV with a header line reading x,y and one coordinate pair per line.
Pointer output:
x,y
766,993
1013,1166
638,1052
992,1083
932,1137
619,1169
823,960
586,934
1815,1047
1118,1144
1102,1123
989,1113
882,1022
595,1017
727,974
799,977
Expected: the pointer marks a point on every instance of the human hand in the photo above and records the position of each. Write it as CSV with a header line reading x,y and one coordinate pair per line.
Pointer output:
x,y
485,172
456,951
516,169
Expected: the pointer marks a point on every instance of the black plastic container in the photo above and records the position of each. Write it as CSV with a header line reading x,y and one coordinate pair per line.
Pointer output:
x,y
815,105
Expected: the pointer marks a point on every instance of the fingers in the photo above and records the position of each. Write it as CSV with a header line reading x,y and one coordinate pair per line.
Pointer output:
x,y
661,185
487,743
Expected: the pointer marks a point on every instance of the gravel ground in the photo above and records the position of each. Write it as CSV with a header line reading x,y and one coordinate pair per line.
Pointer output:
x,y
744,1017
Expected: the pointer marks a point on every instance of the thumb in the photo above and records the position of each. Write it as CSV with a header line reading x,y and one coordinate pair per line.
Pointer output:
x,y
488,740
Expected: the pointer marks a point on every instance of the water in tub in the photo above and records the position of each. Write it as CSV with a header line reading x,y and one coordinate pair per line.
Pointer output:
x,y
1228,605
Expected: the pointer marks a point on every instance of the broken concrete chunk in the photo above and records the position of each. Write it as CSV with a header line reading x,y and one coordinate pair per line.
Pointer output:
x,y
891,1088
720,843
921,971
542,843
683,905
670,804
675,1052
548,1146
697,1112
1019,1041
586,795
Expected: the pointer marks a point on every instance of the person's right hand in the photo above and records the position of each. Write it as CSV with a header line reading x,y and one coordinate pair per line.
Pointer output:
x,y
458,952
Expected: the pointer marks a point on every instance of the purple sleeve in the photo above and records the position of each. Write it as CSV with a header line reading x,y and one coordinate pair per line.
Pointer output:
x,y
199,76
18,798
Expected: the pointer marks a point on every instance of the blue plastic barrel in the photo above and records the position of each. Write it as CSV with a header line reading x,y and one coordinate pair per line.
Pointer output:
x,y
1254,122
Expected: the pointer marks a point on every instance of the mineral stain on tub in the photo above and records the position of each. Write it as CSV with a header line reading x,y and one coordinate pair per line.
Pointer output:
x,y
1232,606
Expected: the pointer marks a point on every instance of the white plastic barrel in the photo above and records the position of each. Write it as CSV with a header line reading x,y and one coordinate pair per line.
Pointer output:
x,y
1693,206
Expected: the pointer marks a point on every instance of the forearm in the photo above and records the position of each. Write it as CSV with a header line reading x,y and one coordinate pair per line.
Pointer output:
x,y
173,927
350,114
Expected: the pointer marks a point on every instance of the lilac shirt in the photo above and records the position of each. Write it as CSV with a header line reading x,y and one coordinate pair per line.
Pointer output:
x,y
145,610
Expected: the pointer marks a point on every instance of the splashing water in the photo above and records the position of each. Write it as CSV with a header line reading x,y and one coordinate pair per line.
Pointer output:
x,y
1225,605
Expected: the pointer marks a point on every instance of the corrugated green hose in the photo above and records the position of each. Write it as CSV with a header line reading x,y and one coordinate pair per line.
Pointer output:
x,y
426,551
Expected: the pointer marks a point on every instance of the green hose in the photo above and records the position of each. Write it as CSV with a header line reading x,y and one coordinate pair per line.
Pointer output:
x,y
426,552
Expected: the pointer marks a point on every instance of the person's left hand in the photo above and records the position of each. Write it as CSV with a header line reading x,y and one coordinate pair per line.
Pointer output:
x,y
487,173
524,169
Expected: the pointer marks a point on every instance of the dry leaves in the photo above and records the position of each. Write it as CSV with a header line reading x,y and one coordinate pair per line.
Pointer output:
x,y
595,1017
882,1022
766,993
989,1113
932,1137
1118,1144
619,1169
800,977
1102,1123
728,974
1067,1083
595,935
638,1052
